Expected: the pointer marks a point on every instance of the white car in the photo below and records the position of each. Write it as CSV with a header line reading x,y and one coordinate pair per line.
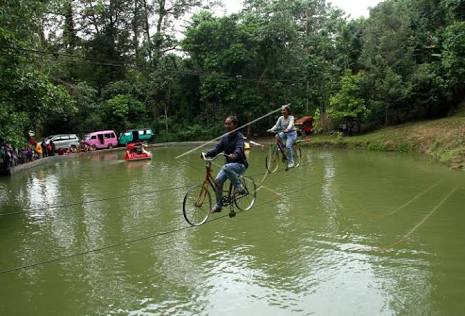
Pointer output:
x,y
63,140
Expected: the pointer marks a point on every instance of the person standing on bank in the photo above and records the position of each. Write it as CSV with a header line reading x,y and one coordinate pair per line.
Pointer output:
x,y
232,144
286,133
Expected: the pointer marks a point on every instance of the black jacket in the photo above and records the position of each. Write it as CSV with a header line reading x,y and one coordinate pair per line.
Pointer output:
x,y
231,144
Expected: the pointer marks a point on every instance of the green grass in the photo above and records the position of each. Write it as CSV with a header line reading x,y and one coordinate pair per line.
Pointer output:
x,y
442,139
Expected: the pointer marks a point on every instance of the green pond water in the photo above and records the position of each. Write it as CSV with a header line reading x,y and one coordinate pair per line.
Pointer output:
x,y
347,233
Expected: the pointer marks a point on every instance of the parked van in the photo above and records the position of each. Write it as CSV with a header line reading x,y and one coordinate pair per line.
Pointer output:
x,y
102,139
63,141
135,135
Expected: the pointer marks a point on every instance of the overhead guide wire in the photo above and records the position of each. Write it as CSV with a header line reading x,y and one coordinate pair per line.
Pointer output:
x,y
96,200
225,134
423,220
127,242
238,77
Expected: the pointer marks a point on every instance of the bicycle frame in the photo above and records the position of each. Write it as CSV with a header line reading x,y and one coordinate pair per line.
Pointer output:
x,y
279,144
210,181
197,206
278,151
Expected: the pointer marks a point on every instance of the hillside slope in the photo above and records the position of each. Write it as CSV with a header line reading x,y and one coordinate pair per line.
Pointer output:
x,y
442,139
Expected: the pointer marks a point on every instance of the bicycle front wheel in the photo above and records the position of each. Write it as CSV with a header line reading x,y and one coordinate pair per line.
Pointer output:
x,y
244,202
272,159
196,205
297,156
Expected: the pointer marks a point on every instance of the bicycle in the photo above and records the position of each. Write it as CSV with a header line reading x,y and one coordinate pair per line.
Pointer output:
x,y
197,201
278,153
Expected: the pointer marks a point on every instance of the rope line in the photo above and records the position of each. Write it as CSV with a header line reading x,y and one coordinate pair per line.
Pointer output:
x,y
5,50
130,241
413,199
128,195
126,242
411,231
225,134
301,188
97,200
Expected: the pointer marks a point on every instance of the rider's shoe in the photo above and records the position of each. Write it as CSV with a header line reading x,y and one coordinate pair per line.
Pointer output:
x,y
216,209
290,165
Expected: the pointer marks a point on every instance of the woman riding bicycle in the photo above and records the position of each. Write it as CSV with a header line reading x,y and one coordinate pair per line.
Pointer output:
x,y
232,145
287,133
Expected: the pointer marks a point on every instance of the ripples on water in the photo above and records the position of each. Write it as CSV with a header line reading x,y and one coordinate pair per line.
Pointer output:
x,y
346,234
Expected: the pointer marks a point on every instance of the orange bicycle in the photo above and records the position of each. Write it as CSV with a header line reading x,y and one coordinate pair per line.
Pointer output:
x,y
197,201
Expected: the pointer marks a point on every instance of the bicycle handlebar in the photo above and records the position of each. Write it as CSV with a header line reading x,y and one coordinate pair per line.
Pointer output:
x,y
277,132
210,159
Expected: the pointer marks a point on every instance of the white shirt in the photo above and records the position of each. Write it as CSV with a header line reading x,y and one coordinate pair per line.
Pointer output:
x,y
283,124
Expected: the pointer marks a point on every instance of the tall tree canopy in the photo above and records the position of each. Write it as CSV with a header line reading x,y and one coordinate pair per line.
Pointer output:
x,y
81,65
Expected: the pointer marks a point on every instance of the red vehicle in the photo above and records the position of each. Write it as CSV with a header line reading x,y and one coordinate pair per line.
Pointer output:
x,y
136,151
305,125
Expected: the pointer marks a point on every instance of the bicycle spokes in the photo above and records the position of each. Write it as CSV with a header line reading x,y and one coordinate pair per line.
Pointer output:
x,y
272,159
196,205
201,198
297,156
245,201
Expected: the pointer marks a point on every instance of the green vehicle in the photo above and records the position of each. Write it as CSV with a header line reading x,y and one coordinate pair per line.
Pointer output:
x,y
136,135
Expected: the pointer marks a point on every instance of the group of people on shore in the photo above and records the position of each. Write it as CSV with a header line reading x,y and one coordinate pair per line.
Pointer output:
x,y
10,156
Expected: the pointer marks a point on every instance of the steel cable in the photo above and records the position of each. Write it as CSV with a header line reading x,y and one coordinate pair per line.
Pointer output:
x,y
126,242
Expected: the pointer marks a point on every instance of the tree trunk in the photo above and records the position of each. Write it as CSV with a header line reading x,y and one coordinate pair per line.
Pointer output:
x,y
147,29
166,117
41,32
306,101
167,104
161,15
135,31
324,120
94,20
158,35
69,33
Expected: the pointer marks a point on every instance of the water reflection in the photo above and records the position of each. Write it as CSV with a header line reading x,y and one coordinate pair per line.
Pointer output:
x,y
319,245
331,205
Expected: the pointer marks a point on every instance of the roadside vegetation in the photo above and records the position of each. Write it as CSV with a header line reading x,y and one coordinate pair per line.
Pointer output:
x,y
442,139
76,66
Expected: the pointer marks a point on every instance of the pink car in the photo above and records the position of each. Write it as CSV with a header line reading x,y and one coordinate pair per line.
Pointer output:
x,y
102,139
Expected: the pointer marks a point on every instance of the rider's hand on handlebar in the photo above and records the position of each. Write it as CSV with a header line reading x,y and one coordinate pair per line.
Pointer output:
x,y
231,156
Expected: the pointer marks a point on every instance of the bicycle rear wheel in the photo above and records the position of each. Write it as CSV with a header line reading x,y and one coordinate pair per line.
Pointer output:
x,y
244,202
197,205
297,156
272,159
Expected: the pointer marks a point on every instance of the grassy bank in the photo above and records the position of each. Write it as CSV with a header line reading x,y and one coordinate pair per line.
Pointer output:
x,y
442,139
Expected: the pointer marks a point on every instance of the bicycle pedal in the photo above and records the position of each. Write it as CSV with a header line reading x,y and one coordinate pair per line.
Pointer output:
x,y
232,214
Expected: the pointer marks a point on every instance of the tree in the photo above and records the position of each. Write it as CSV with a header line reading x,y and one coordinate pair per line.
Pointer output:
x,y
452,57
28,99
388,57
348,105
122,110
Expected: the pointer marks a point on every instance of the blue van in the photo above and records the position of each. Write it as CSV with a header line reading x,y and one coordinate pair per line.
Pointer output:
x,y
136,135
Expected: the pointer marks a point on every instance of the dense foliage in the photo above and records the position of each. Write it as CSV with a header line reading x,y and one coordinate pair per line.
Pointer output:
x,y
82,65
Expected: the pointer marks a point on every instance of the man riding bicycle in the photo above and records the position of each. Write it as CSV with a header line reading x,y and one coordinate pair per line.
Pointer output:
x,y
232,144
287,133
